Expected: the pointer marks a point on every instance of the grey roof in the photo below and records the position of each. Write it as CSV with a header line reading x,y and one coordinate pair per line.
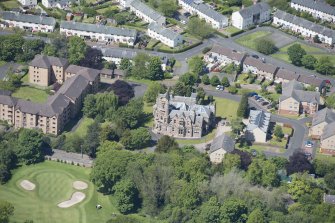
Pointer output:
x,y
260,65
287,74
325,115
29,106
259,119
328,131
329,199
107,71
311,80
48,61
7,100
89,73
94,28
168,33
205,9
74,87
295,90
118,53
254,9
142,7
56,105
14,16
318,5
223,141
304,23
230,53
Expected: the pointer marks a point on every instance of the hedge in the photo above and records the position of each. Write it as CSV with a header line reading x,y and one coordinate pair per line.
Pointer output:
x,y
180,50
236,33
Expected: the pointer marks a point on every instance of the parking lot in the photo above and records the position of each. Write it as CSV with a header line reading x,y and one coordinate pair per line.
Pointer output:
x,y
260,101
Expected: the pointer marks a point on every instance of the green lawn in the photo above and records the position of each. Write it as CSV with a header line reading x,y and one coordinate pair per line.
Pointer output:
x,y
204,139
226,108
33,94
251,39
325,158
262,148
82,128
231,30
287,130
307,48
53,185
2,63
11,4
148,109
25,78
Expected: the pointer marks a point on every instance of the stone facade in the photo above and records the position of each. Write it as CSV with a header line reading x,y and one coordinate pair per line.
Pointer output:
x,y
181,117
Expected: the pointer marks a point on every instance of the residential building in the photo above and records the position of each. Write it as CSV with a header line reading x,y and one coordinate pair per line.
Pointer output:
x,y
116,54
32,23
61,4
304,27
327,141
165,35
258,126
143,11
28,2
219,147
224,56
181,117
45,70
284,76
252,15
312,81
197,7
317,8
99,32
295,100
60,108
257,66
320,120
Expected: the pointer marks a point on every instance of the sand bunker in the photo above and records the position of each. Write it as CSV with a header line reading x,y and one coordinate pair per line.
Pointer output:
x,y
79,185
27,185
75,199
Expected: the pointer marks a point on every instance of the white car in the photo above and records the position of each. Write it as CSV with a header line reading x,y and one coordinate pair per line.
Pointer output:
x,y
219,88
183,22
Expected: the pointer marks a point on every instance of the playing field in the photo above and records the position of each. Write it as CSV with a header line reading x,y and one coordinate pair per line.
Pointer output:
x,y
53,185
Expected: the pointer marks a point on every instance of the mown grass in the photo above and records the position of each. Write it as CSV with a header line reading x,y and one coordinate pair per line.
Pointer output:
x,y
250,40
226,108
32,94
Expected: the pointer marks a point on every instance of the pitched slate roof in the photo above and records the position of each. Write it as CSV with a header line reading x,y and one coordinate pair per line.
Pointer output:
x,y
295,90
94,28
161,30
74,87
287,74
254,9
205,9
311,80
260,65
48,61
231,54
325,115
118,53
223,141
89,73
14,16
259,119
328,131
142,7
7,100
304,23
317,5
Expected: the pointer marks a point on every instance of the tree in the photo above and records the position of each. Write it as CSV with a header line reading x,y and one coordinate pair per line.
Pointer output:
x,y
6,211
189,79
278,88
89,108
309,61
136,138
201,94
298,163
215,80
278,132
152,92
140,68
168,7
93,58
199,28
234,210
266,46
209,211
181,89
256,216
123,90
77,49
11,47
126,196
92,142
254,174
30,48
225,82
155,71
330,101
330,180
299,186
270,177
242,110
231,161
166,144
205,79
237,126
28,146
316,39
325,66
50,50
126,65
331,2
100,104
196,65
296,53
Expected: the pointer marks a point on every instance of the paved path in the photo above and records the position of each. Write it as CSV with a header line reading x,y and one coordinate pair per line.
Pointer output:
x,y
68,157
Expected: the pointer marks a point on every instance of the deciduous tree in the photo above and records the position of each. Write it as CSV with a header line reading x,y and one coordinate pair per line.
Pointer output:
x,y
296,53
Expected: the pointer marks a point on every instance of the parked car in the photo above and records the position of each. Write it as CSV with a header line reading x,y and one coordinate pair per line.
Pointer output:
x,y
252,94
255,56
265,103
219,88
187,14
309,144
183,22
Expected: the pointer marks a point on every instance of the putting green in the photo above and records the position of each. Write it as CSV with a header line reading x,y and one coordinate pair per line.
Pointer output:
x,y
53,185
